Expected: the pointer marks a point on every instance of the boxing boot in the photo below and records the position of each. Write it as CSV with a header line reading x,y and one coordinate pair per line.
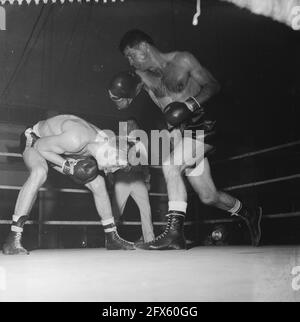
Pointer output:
x,y
114,242
252,218
13,244
173,236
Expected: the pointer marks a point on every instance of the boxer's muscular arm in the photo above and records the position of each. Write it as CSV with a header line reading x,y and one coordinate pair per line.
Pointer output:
x,y
209,85
178,112
51,147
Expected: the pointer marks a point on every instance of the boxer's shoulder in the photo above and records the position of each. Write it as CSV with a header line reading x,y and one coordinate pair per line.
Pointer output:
x,y
180,57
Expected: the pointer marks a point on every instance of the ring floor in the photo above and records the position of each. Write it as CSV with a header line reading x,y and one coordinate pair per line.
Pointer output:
x,y
198,274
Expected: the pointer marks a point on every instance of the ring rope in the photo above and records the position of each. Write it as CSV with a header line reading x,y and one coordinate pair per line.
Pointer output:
x,y
6,187
250,154
263,182
9,154
211,221
268,216
241,156
157,223
157,194
85,223
67,190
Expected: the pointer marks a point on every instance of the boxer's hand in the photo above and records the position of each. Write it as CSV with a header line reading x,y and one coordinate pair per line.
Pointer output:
x,y
124,85
178,112
68,166
81,170
121,103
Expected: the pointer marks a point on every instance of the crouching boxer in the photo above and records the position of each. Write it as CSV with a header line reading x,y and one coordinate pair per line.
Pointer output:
x,y
181,88
78,150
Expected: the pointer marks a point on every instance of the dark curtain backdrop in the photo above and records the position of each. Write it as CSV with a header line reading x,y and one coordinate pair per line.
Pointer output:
x,y
59,59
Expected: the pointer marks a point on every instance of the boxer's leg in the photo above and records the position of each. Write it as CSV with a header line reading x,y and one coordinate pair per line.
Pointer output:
x,y
173,236
210,195
141,197
103,206
122,191
101,198
38,168
207,191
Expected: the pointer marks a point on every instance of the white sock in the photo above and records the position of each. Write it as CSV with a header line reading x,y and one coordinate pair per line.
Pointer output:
x,y
108,221
109,225
177,206
16,218
237,206
16,229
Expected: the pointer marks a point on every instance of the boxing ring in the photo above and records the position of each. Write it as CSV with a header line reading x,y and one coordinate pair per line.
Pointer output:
x,y
230,273
198,274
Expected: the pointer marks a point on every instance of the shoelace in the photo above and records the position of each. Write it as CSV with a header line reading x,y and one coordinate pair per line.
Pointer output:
x,y
18,238
162,235
123,241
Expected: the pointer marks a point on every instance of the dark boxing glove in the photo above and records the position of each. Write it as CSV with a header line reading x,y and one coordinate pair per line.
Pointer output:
x,y
179,112
124,85
81,169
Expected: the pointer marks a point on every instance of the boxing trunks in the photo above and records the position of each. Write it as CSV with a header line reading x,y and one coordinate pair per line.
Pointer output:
x,y
207,126
28,138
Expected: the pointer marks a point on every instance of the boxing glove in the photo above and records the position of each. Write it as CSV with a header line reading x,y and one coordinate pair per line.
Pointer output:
x,y
179,112
81,169
124,85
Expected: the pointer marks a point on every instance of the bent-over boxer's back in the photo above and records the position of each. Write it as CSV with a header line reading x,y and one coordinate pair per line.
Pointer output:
x,y
60,123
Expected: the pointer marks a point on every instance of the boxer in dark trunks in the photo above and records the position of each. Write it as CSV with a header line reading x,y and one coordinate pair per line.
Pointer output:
x,y
181,88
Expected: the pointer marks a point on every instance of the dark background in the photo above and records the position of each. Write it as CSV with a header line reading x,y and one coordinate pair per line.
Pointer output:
x,y
59,59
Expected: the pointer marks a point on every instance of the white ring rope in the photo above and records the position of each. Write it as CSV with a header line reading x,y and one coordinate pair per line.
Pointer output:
x,y
85,223
157,223
267,216
163,194
9,154
250,154
6,187
263,182
241,156
210,221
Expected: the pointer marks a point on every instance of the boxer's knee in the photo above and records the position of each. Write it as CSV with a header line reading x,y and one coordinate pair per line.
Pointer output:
x,y
97,185
171,171
209,196
38,175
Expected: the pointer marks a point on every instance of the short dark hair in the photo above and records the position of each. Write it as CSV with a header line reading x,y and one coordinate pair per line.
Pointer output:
x,y
134,37
133,120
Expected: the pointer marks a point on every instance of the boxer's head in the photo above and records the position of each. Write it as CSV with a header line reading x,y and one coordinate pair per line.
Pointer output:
x,y
110,151
135,46
132,125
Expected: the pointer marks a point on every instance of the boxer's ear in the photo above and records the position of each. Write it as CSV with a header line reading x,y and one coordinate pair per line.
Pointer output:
x,y
144,46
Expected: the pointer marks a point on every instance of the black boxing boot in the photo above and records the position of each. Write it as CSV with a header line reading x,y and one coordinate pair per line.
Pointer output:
x,y
112,239
13,244
114,242
173,236
252,218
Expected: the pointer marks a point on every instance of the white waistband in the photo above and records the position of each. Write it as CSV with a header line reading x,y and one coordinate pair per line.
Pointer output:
x,y
35,129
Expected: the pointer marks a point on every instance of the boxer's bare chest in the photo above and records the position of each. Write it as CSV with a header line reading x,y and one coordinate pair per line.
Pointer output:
x,y
173,83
